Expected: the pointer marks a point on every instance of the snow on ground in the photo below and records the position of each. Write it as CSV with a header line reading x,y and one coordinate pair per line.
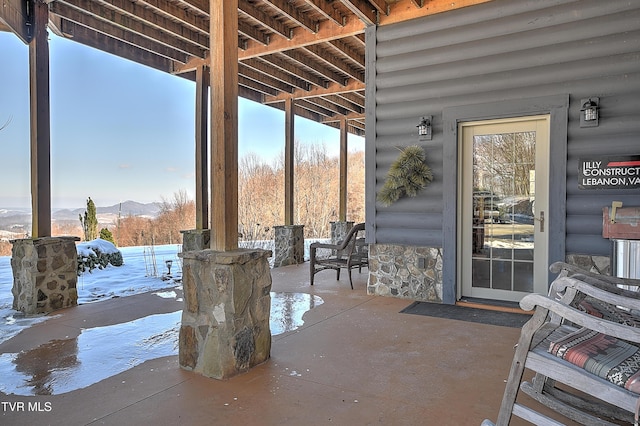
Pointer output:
x,y
144,270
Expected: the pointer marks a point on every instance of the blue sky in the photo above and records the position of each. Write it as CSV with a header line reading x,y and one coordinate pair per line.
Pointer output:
x,y
119,130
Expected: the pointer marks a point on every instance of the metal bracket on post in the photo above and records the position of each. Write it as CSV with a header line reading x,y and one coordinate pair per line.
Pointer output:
x,y
614,206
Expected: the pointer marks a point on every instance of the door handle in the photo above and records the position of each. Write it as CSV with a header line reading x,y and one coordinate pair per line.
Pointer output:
x,y
541,220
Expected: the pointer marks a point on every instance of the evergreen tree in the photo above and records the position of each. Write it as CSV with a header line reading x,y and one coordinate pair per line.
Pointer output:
x,y
90,221
106,235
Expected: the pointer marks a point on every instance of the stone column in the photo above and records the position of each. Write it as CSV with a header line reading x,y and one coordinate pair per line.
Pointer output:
x,y
289,245
339,230
225,321
195,239
45,274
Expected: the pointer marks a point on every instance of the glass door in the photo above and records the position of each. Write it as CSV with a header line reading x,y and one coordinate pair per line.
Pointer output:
x,y
504,166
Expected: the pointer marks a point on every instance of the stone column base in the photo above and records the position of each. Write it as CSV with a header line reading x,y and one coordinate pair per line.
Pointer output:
x,y
195,239
339,231
225,321
289,245
45,274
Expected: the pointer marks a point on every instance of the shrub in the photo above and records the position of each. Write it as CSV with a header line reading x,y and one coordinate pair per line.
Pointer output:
x,y
99,254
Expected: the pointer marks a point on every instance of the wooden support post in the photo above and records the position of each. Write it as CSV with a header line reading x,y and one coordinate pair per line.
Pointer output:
x,y
202,152
342,216
40,123
289,135
223,30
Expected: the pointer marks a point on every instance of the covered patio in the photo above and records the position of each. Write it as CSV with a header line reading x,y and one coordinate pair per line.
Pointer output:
x,y
356,360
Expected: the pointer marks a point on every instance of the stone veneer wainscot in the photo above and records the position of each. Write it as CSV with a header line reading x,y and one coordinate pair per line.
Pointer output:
x,y
405,272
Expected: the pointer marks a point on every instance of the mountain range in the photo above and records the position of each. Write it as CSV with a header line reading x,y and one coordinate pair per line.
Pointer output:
x,y
18,220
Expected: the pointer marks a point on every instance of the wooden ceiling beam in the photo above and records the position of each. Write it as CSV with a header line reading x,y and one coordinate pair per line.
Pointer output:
x,y
403,10
352,97
417,3
325,104
97,40
311,115
202,6
250,94
144,16
332,61
327,10
253,33
265,79
300,38
299,72
305,104
16,17
381,6
265,20
268,69
341,102
90,14
116,32
258,87
172,11
190,65
295,15
363,10
324,70
351,117
349,51
332,89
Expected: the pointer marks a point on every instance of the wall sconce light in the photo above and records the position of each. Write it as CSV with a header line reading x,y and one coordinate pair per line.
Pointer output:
x,y
589,112
424,128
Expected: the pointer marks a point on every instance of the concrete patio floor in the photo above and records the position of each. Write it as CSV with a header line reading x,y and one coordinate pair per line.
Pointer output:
x,y
355,361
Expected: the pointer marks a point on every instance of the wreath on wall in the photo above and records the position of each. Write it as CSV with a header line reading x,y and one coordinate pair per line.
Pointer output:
x,y
407,175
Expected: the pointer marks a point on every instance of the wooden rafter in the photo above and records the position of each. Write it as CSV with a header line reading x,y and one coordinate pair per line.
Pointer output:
x,y
261,78
332,61
334,88
109,44
268,69
327,31
310,50
262,18
128,13
287,66
327,10
326,72
94,16
363,10
118,33
294,14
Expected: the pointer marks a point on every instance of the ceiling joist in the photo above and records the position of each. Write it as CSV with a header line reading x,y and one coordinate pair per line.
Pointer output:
x,y
312,51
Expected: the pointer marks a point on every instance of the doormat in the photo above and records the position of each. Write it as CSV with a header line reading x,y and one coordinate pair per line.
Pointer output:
x,y
463,313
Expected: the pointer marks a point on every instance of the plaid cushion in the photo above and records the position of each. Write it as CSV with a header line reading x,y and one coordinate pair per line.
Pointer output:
x,y
607,357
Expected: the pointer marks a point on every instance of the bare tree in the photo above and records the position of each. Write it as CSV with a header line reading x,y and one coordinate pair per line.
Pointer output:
x,y
6,123
503,162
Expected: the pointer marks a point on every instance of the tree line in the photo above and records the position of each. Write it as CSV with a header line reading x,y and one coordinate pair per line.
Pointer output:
x,y
260,202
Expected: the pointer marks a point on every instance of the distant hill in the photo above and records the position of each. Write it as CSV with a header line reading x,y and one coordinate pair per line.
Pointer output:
x,y
19,220
126,208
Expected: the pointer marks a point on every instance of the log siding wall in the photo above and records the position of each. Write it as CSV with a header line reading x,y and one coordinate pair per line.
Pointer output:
x,y
502,51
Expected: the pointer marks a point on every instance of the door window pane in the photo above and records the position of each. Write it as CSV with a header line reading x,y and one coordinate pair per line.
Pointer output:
x,y
503,204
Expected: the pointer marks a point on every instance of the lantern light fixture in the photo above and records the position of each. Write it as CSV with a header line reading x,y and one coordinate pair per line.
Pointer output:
x,y
424,128
589,113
